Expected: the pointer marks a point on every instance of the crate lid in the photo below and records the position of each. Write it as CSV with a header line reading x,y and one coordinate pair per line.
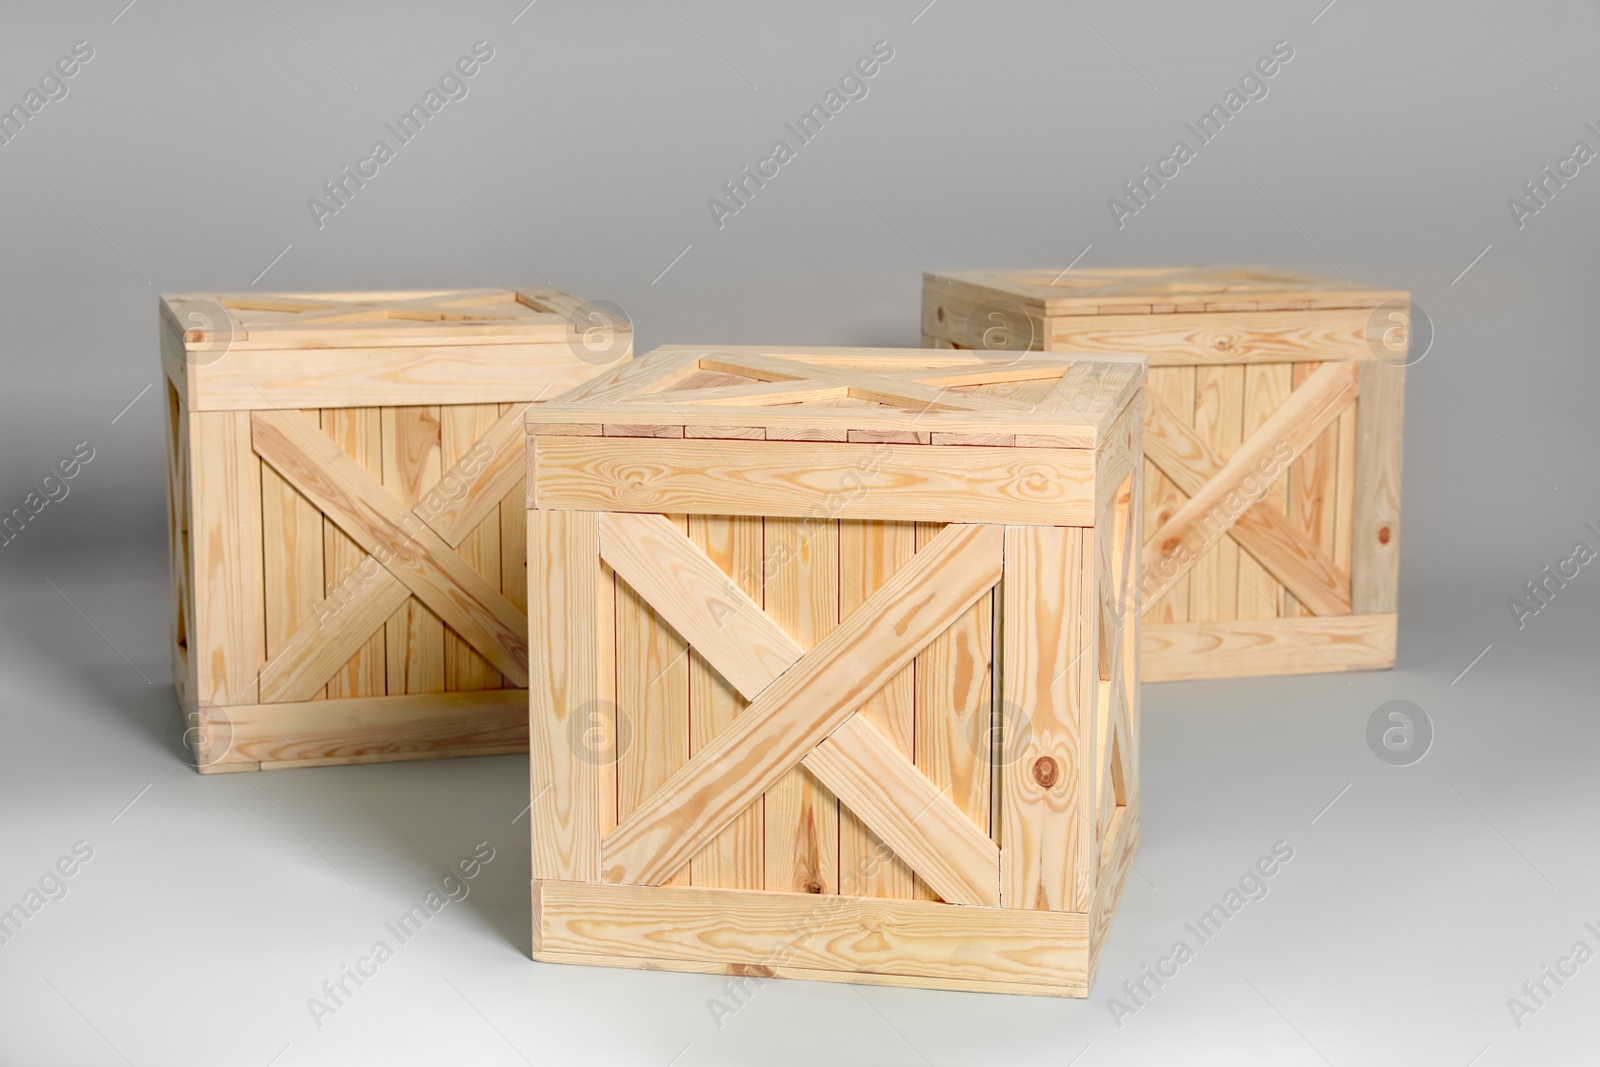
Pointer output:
x,y
394,319
941,395
1154,290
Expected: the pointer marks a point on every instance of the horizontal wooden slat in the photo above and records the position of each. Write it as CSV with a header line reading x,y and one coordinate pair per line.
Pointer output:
x,y
1236,648
1187,339
384,377
749,928
372,729
807,702
912,815
707,608
797,479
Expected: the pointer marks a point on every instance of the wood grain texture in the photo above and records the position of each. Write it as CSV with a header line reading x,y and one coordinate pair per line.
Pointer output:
x,y
809,701
797,479
1375,545
1266,387
376,729
734,858
416,555
413,635
1048,664
1173,387
229,639
706,607
460,429
1237,648
358,433
869,552
800,814
292,577
1203,519
339,627
725,927
572,729
928,833
1218,339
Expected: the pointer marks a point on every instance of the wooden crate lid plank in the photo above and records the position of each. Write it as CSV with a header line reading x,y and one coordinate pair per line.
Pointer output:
x,y
1157,290
858,394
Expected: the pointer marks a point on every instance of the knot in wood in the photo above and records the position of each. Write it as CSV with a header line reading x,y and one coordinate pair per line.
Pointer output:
x,y
1045,771
1383,535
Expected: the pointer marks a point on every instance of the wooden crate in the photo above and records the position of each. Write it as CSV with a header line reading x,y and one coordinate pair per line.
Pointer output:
x,y
1272,448
346,517
831,672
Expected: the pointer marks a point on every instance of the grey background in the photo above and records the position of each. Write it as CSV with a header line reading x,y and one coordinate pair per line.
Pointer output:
x,y
181,160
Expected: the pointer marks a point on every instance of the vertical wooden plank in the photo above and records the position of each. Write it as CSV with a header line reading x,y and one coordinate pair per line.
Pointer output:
x,y
414,635
1049,844
1313,490
1375,536
460,426
953,702
567,712
652,699
1266,387
801,840
177,417
1218,418
1343,508
1176,387
229,639
606,712
733,859
869,553
291,558
514,540
359,431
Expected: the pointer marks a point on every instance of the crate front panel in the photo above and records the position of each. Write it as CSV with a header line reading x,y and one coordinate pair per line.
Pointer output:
x,y
317,542
1304,580
960,810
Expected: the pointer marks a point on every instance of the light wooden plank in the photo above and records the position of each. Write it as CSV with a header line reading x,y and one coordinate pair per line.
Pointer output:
x,y
734,859
339,627
378,729
1239,648
385,377
871,776
1211,513
930,483
1285,552
1219,422
1049,672
228,642
484,471
413,635
1121,843
953,703
808,702
869,552
570,730
1174,387
698,599
461,427
1313,493
1215,339
800,815
652,696
1375,547
729,927
416,555
358,433
1266,386
291,544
